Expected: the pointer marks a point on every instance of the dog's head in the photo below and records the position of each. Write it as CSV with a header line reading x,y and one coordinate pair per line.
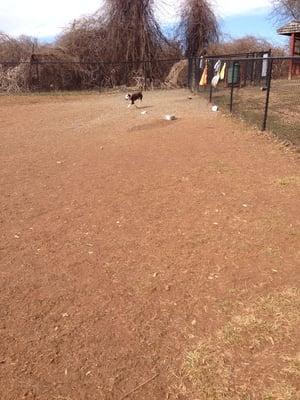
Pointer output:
x,y
128,96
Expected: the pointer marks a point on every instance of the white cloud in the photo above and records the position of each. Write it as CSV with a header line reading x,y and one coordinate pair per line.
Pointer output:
x,y
47,18
41,18
167,9
235,7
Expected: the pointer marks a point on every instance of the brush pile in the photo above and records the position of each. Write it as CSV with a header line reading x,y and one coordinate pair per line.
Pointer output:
x,y
177,76
44,72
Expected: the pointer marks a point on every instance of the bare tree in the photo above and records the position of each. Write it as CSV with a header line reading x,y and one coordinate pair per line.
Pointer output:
x,y
122,31
15,49
198,27
85,38
109,48
285,10
132,31
245,44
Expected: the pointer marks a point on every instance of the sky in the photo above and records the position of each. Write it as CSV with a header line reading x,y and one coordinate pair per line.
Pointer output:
x,y
45,19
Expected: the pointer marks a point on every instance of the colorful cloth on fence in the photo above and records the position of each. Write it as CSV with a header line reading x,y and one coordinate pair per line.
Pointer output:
x,y
203,80
215,80
222,73
217,66
201,62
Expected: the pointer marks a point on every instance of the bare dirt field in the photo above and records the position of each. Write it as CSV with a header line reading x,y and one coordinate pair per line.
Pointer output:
x,y
142,258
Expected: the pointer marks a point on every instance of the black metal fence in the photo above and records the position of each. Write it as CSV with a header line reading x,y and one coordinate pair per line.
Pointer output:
x,y
260,89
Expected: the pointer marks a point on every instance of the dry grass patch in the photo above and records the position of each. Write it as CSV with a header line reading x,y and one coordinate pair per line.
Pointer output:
x,y
288,181
281,392
248,358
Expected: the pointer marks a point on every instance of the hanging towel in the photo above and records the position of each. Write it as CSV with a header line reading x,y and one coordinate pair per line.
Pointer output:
x,y
201,62
215,80
203,80
217,66
222,73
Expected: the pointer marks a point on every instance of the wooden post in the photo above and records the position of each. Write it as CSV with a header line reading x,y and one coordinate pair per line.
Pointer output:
x,y
292,50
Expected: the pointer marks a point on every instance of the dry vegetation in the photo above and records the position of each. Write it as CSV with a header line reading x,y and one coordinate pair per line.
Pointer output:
x,y
285,10
228,363
132,28
199,26
247,44
284,108
177,77
15,50
136,36
106,49
83,56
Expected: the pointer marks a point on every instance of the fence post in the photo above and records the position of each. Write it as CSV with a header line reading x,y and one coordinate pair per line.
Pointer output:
x,y
38,75
269,80
189,73
99,77
252,69
194,73
30,77
246,71
210,92
145,75
232,86
209,76
126,74
197,73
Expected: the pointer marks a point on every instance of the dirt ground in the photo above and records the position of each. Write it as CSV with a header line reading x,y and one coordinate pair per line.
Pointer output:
x,y
143,258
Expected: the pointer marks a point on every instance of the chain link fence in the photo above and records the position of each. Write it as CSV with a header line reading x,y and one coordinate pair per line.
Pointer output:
x,y
259,89
46,73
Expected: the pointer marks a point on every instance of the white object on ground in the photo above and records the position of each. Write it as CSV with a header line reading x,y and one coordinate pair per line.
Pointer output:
x,y
144,112
169,117
215,108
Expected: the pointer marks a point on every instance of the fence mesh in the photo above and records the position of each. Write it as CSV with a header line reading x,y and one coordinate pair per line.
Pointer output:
x,y
261,90
46,73
284,107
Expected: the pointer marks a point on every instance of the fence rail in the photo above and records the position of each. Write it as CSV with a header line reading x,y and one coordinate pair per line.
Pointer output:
x,y
45,72
258,89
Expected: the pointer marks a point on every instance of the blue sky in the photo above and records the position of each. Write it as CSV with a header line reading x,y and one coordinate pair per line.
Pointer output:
x,y
46,19
257,24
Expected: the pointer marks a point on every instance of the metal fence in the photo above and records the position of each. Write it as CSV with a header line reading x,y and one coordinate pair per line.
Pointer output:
x,y
262,90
